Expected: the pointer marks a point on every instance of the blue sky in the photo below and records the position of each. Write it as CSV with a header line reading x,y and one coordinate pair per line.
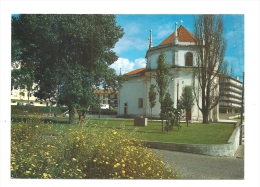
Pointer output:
x,y
131,49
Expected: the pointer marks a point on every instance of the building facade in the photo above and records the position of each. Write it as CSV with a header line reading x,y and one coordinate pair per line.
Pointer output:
x,y
232,90
108,98
20,94
180,50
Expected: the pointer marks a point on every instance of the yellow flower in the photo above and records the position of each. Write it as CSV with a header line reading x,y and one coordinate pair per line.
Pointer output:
x,y
44,175
95,160
123,171
27,172
116,165
114,132
74,159
106,162
79,170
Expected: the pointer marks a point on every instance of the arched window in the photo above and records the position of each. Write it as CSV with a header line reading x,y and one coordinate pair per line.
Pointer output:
x,y
188,59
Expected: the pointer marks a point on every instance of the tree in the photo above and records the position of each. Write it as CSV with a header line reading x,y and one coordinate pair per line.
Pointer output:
x,y
187,100
225,70
71,55
152,97
168,103
210,55
167,110
162,80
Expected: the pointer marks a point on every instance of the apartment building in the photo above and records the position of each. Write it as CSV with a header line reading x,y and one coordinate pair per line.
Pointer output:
x,y
20,96
108,98
232,90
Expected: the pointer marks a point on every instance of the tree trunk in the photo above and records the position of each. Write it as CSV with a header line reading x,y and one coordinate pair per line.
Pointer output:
x,y
162,125
151,114
71,114
205,115
187,121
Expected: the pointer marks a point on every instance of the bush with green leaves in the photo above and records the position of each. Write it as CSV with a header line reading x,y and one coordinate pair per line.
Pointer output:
x,y
85,152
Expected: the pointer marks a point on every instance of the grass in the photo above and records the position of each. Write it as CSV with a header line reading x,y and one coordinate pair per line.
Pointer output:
x,y
196,133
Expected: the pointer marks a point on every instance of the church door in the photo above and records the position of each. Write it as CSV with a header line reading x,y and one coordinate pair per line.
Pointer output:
x,y
188,115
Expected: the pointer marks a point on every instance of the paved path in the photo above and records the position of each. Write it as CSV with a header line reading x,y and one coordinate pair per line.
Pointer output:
x,y
195,166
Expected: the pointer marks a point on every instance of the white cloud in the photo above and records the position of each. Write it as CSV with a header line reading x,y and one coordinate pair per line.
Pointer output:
x,y
126,65
140,63
131,43
132,39
164,31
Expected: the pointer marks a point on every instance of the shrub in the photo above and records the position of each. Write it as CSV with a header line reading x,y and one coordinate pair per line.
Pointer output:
x,y
38,151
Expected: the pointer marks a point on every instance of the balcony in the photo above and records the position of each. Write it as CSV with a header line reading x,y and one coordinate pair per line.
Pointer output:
x,y
232,96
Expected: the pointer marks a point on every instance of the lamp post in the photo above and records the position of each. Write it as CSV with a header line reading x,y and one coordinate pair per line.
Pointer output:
x,y
242,111
242,103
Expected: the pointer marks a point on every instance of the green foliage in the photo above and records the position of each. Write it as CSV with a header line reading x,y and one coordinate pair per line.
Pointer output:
x,y
168,102
187,98
82,152
162,76
71,54
162,79
152,97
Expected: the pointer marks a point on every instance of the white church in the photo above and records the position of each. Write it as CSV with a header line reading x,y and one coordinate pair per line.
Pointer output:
x,y
180,51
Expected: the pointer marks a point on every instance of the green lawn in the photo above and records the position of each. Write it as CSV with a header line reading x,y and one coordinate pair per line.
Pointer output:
x,y
196,133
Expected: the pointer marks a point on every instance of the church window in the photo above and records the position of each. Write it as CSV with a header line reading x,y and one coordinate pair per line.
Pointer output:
x,y
140,102
188,59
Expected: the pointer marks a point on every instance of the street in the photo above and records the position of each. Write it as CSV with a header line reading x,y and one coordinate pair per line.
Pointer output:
x,y
195,166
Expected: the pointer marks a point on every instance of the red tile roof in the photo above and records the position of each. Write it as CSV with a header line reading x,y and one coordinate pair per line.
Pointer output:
x,y
137,71
183,36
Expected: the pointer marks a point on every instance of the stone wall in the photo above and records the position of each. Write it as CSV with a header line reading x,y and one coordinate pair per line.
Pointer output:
x,y
228,149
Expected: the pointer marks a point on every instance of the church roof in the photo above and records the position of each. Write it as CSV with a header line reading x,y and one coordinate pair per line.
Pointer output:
x,y
183,36
137,71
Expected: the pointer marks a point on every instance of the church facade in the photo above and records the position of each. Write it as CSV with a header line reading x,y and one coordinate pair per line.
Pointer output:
x,y
180,51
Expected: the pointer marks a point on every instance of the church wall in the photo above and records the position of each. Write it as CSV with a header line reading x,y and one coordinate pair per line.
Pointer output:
x,y
154,56
185,79
174,56
130,92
